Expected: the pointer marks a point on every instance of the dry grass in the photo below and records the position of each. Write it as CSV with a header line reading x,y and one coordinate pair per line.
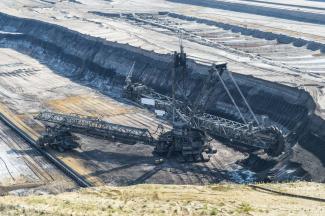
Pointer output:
x,y
222,199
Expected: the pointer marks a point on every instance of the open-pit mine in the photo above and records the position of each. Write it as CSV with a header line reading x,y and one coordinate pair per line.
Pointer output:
x,y
124,92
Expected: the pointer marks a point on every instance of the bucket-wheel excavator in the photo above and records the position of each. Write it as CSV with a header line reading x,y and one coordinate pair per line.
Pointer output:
x,y
188,137
192,112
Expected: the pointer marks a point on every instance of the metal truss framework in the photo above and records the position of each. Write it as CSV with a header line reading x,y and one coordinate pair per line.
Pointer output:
x,y
96,127
243,133
248,134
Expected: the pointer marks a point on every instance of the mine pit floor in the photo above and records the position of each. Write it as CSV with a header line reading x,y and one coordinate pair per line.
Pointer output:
x,y
23,167
99,161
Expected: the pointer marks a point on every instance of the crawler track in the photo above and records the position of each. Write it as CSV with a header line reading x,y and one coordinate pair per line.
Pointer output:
x,y
58,163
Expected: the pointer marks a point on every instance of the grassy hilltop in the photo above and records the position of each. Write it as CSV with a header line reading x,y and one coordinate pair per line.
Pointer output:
x,y
219,199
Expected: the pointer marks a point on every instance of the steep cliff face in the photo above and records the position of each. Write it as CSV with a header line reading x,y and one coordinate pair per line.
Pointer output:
x,y
103,65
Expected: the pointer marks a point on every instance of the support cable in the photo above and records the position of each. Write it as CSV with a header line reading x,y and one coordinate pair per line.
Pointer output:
x,y
243,97
231,98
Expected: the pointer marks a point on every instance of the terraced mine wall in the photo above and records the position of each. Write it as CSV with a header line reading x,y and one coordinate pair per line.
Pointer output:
x,y
285,39
302,16
102,65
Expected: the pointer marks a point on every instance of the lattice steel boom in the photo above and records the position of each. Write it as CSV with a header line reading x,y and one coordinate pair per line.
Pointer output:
x,y
94,126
